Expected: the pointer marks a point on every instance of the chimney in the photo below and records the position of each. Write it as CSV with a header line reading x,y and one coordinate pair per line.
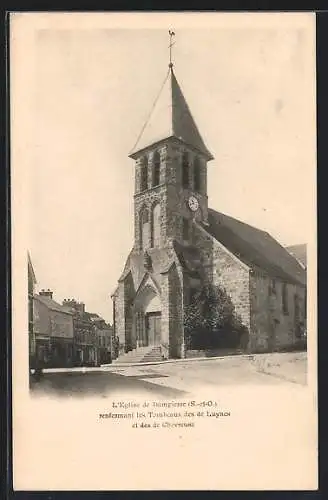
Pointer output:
x,y
46,293
79,307
69,303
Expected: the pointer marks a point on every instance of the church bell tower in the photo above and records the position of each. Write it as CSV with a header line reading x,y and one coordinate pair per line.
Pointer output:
x,y
170,195
170,171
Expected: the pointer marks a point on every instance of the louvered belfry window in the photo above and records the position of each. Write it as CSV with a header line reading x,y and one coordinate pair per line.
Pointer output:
x,y
185,170
144,175
197,178
156,169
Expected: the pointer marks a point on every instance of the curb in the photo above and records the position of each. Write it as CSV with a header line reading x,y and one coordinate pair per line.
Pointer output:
x,y
113,366
183,360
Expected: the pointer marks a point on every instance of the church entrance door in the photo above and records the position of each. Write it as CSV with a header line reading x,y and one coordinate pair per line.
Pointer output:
x,y
153,328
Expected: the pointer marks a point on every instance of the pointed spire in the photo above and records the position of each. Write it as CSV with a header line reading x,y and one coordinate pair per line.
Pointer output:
x,y
170,116
31,272
171,34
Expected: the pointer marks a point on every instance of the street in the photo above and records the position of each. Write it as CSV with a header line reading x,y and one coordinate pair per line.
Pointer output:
x,y
176,379
99,383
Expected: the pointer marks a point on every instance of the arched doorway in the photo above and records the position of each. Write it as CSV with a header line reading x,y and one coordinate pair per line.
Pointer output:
x,y
147,317
153,315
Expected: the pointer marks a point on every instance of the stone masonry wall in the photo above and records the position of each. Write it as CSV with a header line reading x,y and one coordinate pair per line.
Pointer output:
x,y
129,293
119,304
172,196
165,317
223,269
272,327
175,314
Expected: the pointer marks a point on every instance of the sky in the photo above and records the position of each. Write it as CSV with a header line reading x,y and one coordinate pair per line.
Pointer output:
x,y
251,89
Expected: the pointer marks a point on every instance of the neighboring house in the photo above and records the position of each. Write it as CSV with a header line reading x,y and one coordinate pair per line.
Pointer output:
x,y
104,333
299,252
53,329
180,244
31,280
85,338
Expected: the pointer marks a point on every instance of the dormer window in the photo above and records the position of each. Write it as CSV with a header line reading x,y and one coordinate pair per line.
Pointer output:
x,y
156,169
185,170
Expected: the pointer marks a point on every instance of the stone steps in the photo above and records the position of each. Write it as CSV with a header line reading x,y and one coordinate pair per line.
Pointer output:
x,y
134,356
149,354
153,356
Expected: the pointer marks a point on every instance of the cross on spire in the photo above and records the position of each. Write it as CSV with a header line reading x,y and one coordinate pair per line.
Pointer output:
x,y
171,35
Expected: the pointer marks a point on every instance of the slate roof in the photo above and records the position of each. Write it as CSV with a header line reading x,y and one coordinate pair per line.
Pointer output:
x,y
299,252
254,247
52,304
170,117
189,258
30,268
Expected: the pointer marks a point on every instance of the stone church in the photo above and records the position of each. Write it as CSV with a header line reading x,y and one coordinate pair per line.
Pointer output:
x,y
181,244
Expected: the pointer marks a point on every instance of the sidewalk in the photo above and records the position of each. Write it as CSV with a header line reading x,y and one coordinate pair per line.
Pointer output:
x,y
114,367
183,360
261,369
192,374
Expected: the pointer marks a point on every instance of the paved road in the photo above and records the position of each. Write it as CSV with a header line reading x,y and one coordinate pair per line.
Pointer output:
x,y
101,384
169,380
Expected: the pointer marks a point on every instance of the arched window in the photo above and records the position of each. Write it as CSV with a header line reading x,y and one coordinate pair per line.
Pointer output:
x,y
197,179
144,228
185,170
156,169
144,175
156,226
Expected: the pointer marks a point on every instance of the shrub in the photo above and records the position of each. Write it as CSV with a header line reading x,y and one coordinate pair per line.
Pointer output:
x,y
211,321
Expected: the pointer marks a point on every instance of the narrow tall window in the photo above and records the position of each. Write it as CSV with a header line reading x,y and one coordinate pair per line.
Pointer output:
x,y
144,228
156,226
296,307
284,298
272,287
185,229
185,170
144,175
297,319
156,169
197,179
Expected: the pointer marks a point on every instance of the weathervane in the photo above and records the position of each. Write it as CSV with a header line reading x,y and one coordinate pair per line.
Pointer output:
x,y
171,34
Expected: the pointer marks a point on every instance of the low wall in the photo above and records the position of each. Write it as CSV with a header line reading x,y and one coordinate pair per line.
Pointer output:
x,y
212,353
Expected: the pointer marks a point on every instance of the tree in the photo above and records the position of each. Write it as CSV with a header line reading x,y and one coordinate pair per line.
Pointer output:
x,y
211,321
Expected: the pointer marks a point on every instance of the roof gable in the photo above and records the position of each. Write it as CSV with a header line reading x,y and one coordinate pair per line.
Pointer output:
x,y
299,252
148,280
52,304
254,247
170,116
31,272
